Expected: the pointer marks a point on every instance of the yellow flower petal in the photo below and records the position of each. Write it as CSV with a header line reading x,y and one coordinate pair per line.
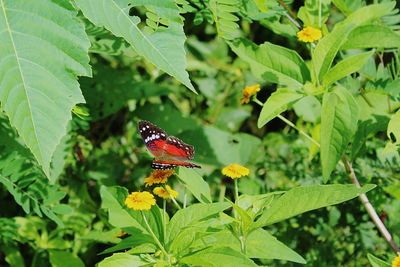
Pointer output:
x,y
309,34
158,177
166,192
235,171
140,201
248,92
396,261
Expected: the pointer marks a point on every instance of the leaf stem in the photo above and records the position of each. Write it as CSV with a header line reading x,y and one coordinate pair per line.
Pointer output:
x,y
290,14
154,236
291,124
176,203
370,209
236,191
164,219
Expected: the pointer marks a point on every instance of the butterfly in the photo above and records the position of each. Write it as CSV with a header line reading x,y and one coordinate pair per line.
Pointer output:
x,y
169,152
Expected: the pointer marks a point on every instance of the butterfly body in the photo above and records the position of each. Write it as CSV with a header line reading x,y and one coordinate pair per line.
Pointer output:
x,y
169,151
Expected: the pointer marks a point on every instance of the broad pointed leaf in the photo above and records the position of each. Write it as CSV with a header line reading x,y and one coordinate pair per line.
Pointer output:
x,y
43,48
162,45
338,125
302,199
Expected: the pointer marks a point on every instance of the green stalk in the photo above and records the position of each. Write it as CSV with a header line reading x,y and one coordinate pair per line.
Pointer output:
x,y
164,219
154,236
236,191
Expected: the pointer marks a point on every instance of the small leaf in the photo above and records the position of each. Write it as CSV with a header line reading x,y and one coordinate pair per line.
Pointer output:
x,y
60,258
123,259
273,63
338,125
218,256
346,67
393,130
194,213
277,103
376,262
195,184
305,198
378,36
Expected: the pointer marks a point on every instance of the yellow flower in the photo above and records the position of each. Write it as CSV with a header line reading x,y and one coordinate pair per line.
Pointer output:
x,y
140,201
396,261
158,177
309,34
248,92
235,171
166,192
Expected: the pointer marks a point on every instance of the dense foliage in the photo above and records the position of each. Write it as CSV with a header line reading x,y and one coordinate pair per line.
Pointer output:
x,y
292,108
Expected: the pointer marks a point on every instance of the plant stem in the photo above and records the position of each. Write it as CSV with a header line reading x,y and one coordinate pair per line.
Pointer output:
x,y
176,203
236,191
154,236
164,218
370,209
364,96
288,122
290,14
291,124
185,199
222,193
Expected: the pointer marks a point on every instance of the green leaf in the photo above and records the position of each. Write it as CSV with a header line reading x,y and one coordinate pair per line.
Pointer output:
x,y
12,255
378,36
185,217
393,130
39,64
123,259
273,63
314,12
195,184
376,262
338,125
262,245
277,103
259,244
346,67
218,257
225,20
111,199
23,178
162,46
60,258
329,45
305,198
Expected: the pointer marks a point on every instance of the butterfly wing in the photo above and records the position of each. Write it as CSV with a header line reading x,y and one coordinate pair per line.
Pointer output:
x,y
154,137
176,148
170,164
169,151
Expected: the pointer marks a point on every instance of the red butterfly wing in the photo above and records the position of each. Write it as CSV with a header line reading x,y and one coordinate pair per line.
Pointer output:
x,y
170,152
154,137
176,148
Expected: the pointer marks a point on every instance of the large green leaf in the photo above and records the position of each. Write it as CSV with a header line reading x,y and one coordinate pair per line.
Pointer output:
x,y
60,258
346,67
161,42
273,63
277,103
378,36
218,257
376,262
43,48
329,45
338,125
196,212
195,184
259,244
123,259
302,199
